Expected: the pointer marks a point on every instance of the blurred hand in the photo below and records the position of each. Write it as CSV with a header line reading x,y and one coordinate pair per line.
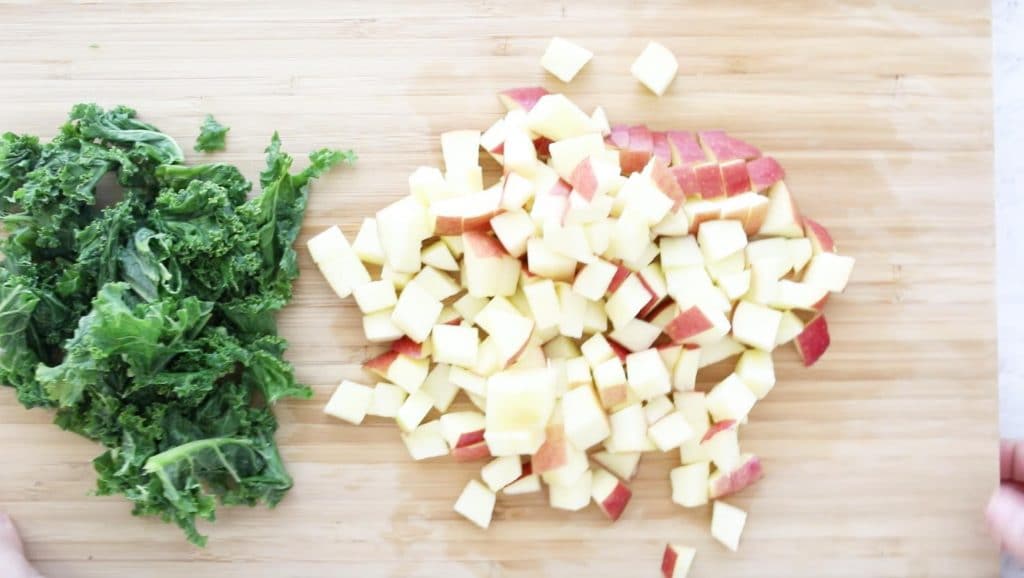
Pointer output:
x,y
12,553
1005,510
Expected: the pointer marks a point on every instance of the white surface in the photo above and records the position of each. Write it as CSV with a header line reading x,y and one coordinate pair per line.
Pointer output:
x,y
1008,53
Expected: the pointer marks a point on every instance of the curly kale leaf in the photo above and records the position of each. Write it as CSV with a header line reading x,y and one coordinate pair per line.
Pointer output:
x,y
211,135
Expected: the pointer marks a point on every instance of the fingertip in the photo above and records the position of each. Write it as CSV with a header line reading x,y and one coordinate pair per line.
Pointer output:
x,y
1005,515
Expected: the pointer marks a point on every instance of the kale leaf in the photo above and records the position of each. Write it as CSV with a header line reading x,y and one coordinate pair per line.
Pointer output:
x,y
211,135
149,325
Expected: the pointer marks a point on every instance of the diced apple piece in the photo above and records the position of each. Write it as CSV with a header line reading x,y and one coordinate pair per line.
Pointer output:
x,y
636,335
556,117
720,350
674,224
655,67
468,306
500,472
676,561
568,240
657,408
546,263
723,148
719,239
596,351
517,192
698,325
438,256
440,389
367,245
647,375
455,345
338,262
800,253
562,347
789,328
493,140
685,148
521,98
684,373
460,148
577,372
472,382
378,327
439,285
670,432
764,173
519,154
757,371
627,301
462,428
829,271
544,303
574,496
748,208
796,295
567,154
490,271
427,185
680,252
593,280
629,430
812,342
622,464
573,308
532,357
610,379
700,211
727,524
401,370
375,296
735,177
518,402
386,400
350,402
690,484
593,176
709,181
528,483
727,482
731,265
425,441
464,181
416,312
735,285
586,424
476,504
693,406
783,218
564,59
401,228
610,494
722,445
513,230
756,325
630,236
821,239
553,453
470,212
731,399
412,412
575,465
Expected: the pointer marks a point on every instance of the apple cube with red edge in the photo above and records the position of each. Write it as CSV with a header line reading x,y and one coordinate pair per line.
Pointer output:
x,y
783,218
387,400
338,263
764,173
670,432
686,178
720,350
677,560
519,401
721,444
748,208
521,98
829,271
821,239
406,372
629,430
476,504
735,177
700,211
698,325
425,441
350,402
556,117
685,148
501,472
655,68
490,270
553,453
594,279
708,180
586,424
690,484
528,483
575,465
727,482
756,325
568,153
573,496
813,340
722,147
610,380
622,464
665,181
513,230
402,227
462,428
492,140
727,524
564,59
609,493
472,212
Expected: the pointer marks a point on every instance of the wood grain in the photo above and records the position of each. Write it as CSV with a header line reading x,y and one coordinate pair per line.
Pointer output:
x,y
879,459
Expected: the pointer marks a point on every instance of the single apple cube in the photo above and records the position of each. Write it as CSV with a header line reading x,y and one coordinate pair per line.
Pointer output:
x,y
568,153
386,401
367,245
670,432
490,270
756,325
655,67
693,406
627,301
690,484
764,173
438,256
476,504
574,496
544,262
829,271
577,371
657,408
573,308
338,263
564,59
350,402
527,484
375,296
521,98
425,441
519,401
721,444
735,263
416,312
544,303
596,351
440,389
462,428
501,472
757,371
569,241
821,239
610,494
463,181
566,474
731,399
698,325
402,226
561,347
469,212
637,335
783,218
800,252
554,452
727,524
735,285
674,224
676,561
622,464
720,350
439,285
513,230
723,148
412,412
517,192
455,345
378,327
406,372
680,252
460,148
630,236
812,342
468,306
796,295
593,280
647,375
629,430
556,117
684,372
586,424
610,379
471,382
727,482
719,239
789,328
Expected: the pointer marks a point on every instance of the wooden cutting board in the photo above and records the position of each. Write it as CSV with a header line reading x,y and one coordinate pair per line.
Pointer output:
x,y
879,459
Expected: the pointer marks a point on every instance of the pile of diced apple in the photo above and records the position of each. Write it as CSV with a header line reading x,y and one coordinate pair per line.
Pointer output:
x,y
574,301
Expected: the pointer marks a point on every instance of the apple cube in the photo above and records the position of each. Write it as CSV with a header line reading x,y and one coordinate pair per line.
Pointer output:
x,y
567,154
629,430
462,428
469,306
789,328
544,303
532,357
685,148
676,561
402,226
556,117
674,224
427,184
727,524
764,173
698,325
404,371
518,402
637,335
544,262
471,382
440,389
800,252
748,208
469,212
655,67
493,139
783,218
528,483
722,147
670,431
657,408
647,375
630,236
569,241
455,345
564,59
812,342
596,351
796,295
821,239
573,496
412,412
577,372
500,472
721,238
521,98
573,308
350,402
690,484
338,262
593,280
562,347
829,271
731,399
610,379
575,465
724,483
693,406
387,399
378,327
553,453
731,265
586,424
425,441
367,245
680,252
375,296
476,504
756,325
690,285
757,371
610,494
721,444
684,372
519,156
517,192
490,270
622,464
416,312
720,350
439,285
627,301
438,256
735,285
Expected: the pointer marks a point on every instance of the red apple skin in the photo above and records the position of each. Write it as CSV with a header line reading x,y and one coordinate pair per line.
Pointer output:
x,y
633,161
620,351
617,280
764,172
640,138
685,148
709,180
615,503
553,453
527,470
819,236
742,476
499,149
469,438
477,451
482,245
641,147
667,184
755,218
381,363
583,179
726,148
687,324
813,340
716,428
686,178
660,146
668,562
735,177
407,347
524,97
542,144
619,137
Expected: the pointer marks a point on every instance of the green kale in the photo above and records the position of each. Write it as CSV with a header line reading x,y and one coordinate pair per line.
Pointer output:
x,y
149,325
211,135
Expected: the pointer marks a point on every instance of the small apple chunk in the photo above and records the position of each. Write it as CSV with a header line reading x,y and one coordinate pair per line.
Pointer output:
x,y
594,279
375,296
684,372
500,472
528,483
677,560
416,312
757,371
821,239
586,424
440,388
609,493
783,218
690,484
756,325
438,255
829,271
425,441
402,370
657,408
387,400
727,482
731,399
622,464
455,345
727,524
813,340
764,173
573,496
476,504
670,432
367,245
490,270
378,327
721,444
338,262
402,227
522,98
519,402
637,335
797,295
556,117
698,325
462,428
720,239
412,412
470,212
350,402
789,328
647,375
564,59
655,68
629,430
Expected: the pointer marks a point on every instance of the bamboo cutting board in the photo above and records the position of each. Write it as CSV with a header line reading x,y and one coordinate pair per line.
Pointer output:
x,y
879,459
